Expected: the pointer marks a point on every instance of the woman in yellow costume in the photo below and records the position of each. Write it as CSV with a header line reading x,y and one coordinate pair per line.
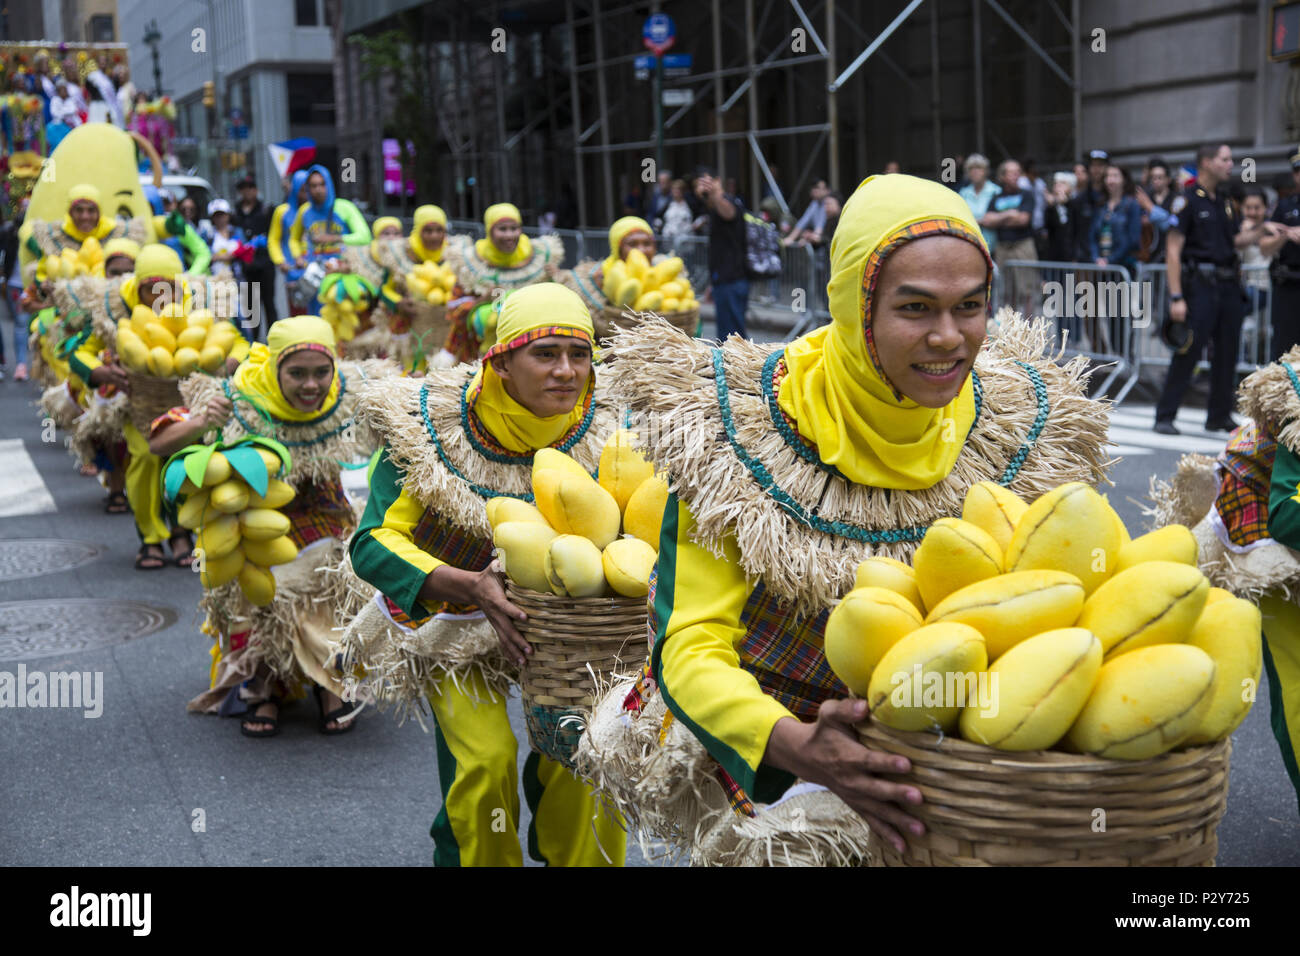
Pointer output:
x,y
294,390
789,465
158,271
587,278
441,626
489,268
97,439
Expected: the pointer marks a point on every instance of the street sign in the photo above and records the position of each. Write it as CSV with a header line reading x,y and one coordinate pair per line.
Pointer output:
x,y
679,97
659,33
675,64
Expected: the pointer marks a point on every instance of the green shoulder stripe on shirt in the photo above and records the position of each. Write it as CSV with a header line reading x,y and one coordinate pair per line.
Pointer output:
x,y
374,563
1283,509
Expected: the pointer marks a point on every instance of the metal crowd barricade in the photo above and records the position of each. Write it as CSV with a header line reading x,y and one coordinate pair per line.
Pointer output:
x,y
1256,342
1096,310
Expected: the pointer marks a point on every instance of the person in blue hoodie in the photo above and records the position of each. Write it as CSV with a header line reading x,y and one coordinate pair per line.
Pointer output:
x,y
325,223
277,237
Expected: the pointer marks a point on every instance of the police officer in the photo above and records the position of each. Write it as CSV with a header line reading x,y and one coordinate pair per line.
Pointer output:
x,y
1206,300
1285,269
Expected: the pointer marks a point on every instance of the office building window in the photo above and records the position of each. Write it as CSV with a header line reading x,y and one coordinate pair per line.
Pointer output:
x,y
100,28
311,99
305,13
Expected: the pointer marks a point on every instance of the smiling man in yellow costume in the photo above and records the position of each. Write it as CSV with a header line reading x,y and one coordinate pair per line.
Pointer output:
x,y
791,464
452,441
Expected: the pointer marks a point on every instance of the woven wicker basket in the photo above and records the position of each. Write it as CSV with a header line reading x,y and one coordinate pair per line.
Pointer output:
x,y
576,642
611,315
987,807
149,397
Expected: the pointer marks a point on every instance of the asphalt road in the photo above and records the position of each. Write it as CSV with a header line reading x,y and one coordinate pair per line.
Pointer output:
x,y
129,787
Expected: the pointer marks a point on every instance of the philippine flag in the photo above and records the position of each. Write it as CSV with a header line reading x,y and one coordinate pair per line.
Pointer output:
x,y
292,155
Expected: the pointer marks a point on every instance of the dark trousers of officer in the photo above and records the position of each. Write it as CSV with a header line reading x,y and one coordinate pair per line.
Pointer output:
x,y
1214,314
1286,317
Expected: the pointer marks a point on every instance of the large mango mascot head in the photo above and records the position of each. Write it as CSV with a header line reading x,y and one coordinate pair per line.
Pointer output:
x,y
98,154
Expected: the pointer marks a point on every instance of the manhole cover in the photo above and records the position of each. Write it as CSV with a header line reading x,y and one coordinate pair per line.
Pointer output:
x,y
32,557
31,629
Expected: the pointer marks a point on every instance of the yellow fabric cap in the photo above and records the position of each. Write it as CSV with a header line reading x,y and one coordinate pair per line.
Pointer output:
x,y
621,229
258,376
835,390
385,222
121,246
158,261
502,210
423,216
528,314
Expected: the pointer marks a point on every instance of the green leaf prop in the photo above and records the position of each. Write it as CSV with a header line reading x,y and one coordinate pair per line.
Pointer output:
x,y
192,462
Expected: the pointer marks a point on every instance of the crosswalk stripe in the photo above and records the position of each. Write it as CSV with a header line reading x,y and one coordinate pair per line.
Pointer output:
x,y
1184,443
22,491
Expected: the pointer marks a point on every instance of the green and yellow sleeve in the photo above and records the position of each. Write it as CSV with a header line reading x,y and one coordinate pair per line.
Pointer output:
x,y
699,600
275,234
383,549
1284,498
86,358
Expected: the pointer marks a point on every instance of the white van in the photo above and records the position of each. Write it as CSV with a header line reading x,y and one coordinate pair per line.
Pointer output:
x,y
196,187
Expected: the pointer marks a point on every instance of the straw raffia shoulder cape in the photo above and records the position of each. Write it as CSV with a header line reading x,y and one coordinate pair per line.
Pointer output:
x,y
477,276
708,415
582,280
319,447
52,240
1268,395
424,425
100,300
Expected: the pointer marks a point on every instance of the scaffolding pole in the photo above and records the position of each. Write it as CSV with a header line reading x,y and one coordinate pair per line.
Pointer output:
x,y
581,185
832,99
607,168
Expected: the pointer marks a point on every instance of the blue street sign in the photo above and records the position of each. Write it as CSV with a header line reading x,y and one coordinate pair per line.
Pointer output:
x,y
659,33
645,61
678,61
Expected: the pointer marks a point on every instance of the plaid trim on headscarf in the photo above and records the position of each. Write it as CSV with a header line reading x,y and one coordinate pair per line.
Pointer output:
x,y
532,336
871,272
1246,464
302,347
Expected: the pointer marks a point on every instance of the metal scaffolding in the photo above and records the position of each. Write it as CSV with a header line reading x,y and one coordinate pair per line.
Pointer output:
x,y
779,92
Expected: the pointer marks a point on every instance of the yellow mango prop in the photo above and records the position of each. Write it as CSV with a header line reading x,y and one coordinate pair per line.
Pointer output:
x,y
574,567
1229,631
644,515
622,467
953,554
501,510
279,550
1009,608
861,628
1039,688
1156,602
1068,529
994,509
1145,703
1174,542
523,546
879,571
925,679
258,584
627,563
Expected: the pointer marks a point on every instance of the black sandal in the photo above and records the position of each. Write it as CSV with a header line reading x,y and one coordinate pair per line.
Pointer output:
x,y
143,555
116,504
185,560
251,718
334,715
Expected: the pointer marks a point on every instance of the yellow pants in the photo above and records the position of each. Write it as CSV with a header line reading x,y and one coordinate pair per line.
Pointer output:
x,y
144,487
478,824
1282,669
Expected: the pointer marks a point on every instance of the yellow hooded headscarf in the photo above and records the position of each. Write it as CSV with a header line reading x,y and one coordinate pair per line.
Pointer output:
x,y
834,388
528,314
485,248
620,231
121,246
423,216
385,222
258,376
102,228
153,262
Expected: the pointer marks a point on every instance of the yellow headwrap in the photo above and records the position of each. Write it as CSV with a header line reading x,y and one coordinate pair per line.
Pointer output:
x,y
102,228
258,376
385,222
121,246
423,216
528,314
835,390
154,261
619,231
523,252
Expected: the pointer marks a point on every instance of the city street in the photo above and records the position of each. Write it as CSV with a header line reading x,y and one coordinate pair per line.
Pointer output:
x,y
146,783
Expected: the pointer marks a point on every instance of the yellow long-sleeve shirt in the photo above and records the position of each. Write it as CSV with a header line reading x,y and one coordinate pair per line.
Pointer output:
x,y
699,603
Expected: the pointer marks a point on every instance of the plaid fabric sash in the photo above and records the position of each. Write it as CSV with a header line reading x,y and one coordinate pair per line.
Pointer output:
x,y
1246,465
453,545
319,510
783,652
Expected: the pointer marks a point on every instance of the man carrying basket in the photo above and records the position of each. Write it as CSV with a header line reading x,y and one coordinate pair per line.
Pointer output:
x,y
452,441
